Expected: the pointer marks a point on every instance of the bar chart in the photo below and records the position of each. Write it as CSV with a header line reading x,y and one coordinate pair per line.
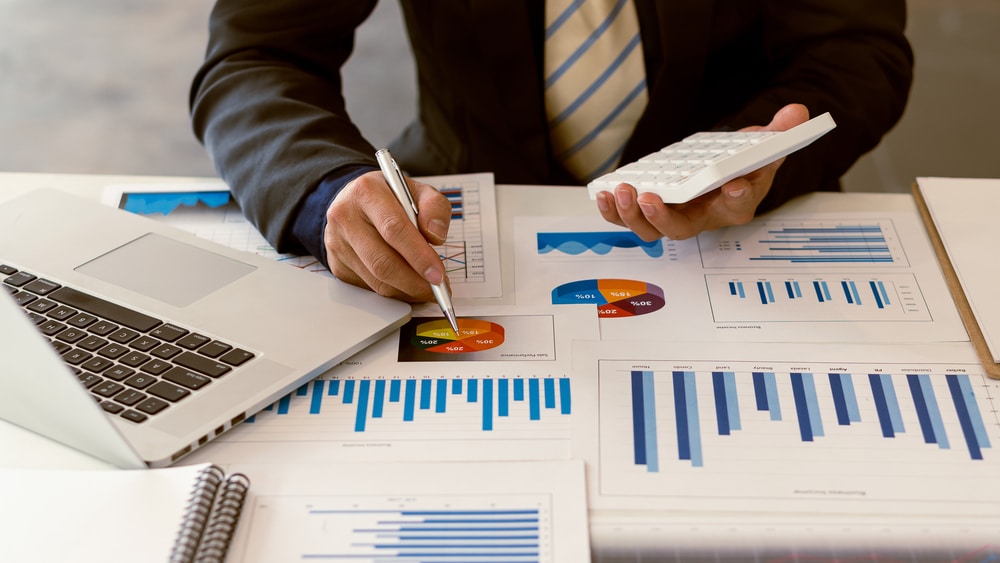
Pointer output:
x,y
808,242
795,430
816,297
424,528
418,405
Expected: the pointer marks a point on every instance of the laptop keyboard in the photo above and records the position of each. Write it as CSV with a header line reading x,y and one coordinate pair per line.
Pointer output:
x,y
134,365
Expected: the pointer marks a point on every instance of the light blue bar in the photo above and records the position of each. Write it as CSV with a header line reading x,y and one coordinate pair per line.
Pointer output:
x,y
933,411
487,404
503,407
534,407
883,293
378,401
456,386
349,391
409,398
854,292
771,386
895,417
694,426
425,394
850,397
316,401
732,407
442,394
565,399
826,290
975,416
649,419
549,387
334,388
394,386
472,391
809,386
362,411
284,403
518,389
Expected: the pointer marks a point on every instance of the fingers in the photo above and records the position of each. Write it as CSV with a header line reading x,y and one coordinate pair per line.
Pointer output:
x,y
371,242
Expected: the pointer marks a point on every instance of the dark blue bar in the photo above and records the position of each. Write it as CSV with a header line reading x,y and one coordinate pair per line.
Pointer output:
x,y
442,394
503,407
878,296
920,402
881,405
394,391
487,404
317,396
302,391
456,386
409,397
847,291
362,412
638,420
721,404
549,386
732,288
839,401
681,417
801,407
534,408
565,401
379,399
473,391
788,288
334,387
349,391
760,391
762,293
518,389
964,419
819,291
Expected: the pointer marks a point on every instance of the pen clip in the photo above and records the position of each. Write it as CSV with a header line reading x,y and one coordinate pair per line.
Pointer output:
x,y
397,183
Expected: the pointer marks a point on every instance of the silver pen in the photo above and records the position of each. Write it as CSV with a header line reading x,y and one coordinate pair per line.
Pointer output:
x,y
394,177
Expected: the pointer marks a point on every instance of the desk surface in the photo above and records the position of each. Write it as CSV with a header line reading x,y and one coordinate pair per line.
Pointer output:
x,y
26,449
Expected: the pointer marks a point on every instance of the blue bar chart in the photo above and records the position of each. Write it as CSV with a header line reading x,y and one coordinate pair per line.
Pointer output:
x,y
414,529
743,428
818,298
365,403
809,242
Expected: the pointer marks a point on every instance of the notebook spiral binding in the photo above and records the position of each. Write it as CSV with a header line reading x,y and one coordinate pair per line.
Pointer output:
x,y
210,518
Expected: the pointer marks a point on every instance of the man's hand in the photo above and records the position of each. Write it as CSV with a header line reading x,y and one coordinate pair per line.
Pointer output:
x,y
371,243
734,203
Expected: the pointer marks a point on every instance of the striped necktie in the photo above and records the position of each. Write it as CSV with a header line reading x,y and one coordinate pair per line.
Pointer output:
x,y
595,82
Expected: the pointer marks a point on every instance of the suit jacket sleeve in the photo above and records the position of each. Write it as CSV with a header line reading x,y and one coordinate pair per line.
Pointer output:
x,y
268,106
847,58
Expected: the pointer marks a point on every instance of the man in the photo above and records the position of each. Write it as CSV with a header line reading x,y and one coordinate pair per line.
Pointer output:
x,y
267,104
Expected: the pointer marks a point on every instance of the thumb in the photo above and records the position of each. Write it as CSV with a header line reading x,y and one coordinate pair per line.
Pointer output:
x,y
788,117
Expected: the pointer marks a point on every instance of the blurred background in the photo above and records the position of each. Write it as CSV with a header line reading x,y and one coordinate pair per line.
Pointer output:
x,y
100,86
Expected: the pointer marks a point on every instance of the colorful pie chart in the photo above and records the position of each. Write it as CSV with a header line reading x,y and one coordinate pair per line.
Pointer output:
x,y
474,335
614,298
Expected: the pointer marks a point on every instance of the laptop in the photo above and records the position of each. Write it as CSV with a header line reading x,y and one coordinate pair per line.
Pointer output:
x,y
139,343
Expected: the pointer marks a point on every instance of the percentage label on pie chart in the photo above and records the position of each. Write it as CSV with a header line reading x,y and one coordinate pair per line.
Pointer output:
x,y
614,298
474,335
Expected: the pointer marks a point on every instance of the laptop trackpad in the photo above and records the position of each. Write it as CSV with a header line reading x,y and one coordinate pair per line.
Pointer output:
x,y
166,269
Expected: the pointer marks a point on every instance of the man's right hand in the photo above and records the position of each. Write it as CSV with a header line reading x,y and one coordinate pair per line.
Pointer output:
x,y
371,243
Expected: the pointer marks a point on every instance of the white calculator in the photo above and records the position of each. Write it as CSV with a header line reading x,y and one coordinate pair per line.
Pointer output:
x,y
704,161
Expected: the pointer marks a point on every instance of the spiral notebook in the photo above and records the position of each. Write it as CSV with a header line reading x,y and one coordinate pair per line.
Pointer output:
x,y
177,514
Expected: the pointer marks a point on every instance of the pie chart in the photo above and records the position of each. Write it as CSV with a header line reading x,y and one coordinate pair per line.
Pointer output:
x,y
474,335
613,297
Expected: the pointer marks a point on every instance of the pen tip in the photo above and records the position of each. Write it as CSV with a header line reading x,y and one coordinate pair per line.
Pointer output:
x,y
452,320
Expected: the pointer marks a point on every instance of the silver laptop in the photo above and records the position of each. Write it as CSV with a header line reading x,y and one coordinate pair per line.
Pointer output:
x,y
138,343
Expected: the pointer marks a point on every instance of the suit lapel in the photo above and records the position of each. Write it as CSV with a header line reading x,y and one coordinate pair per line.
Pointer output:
x,y
675,36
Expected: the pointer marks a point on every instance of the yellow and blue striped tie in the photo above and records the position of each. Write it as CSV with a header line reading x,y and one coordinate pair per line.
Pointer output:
x,y
595,82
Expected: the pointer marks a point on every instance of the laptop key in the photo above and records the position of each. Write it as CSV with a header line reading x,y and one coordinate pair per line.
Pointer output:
x,y
168,332
42,305
41,286
134,416
152,405
236,357
214,349
105,309
18,279
168,391
107,388
112,408
192,341
202,365
187,378
118,373
129,397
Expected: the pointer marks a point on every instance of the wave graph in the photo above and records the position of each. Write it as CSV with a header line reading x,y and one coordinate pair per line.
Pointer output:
x,y
601,243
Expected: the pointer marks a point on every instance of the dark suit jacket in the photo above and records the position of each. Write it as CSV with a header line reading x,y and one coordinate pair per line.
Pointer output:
x,y
267,101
